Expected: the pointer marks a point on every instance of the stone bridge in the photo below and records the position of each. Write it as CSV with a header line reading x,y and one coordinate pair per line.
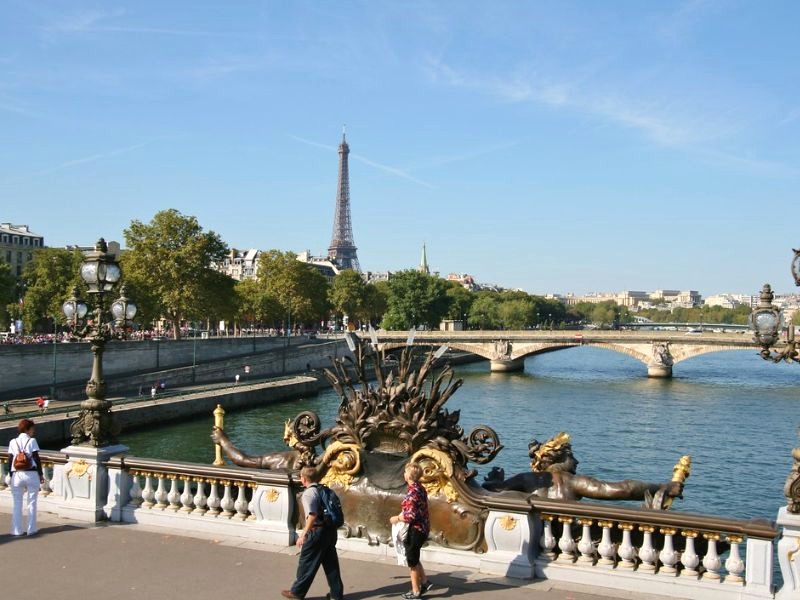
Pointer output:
x,y
507,350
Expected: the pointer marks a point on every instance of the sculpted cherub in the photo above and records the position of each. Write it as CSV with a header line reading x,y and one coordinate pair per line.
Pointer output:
x,y
553,476
299,456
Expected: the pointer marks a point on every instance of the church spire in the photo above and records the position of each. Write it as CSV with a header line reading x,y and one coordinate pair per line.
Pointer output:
x,y
423,261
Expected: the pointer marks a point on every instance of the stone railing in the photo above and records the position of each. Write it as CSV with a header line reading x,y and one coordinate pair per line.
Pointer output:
x,y
688,555
643,552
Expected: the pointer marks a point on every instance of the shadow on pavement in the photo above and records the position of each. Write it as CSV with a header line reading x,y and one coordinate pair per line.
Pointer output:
x,y
43,532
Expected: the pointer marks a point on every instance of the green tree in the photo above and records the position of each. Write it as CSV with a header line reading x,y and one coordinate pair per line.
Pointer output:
x,y
415,299
348,294
256,305
515,314
48,281
376,302
460,301
8,292
484,313
301,290
169,263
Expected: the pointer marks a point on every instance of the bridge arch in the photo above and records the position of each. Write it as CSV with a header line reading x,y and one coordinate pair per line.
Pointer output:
x,y
507,355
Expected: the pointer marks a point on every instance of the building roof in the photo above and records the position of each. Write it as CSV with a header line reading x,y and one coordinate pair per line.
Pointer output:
x,y
18,229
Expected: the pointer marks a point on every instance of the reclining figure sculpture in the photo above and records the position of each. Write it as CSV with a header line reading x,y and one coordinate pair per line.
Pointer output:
x,y
554,476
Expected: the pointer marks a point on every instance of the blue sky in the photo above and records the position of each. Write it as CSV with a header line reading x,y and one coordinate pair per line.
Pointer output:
x,y
551,146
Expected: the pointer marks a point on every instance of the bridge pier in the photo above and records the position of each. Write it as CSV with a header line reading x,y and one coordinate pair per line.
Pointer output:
x,y
660,371
507,365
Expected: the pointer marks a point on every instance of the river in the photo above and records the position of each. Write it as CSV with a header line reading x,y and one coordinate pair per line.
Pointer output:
x,y
735,414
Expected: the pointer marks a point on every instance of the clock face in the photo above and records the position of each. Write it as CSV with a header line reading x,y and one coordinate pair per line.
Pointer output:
x,y
796,267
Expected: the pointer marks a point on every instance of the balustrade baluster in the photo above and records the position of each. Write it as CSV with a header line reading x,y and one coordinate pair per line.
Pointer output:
x,y
734,564
161,492
668,555
585,546
186,496
689,558
136,490
627,551
241,502
548,541
213,498
711,560
47,475
200,506
251,507
607,548
3,474
647,553
565,543
148,495
174,495
226,504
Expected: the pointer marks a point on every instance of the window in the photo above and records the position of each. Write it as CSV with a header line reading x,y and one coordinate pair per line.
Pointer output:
x,y
16,239
37,242
5,238
26,241
19,257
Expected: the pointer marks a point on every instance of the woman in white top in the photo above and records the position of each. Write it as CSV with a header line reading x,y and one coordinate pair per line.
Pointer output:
x,y
25,480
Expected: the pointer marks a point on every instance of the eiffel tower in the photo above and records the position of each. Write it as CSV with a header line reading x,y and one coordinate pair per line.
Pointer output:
x,y
343,249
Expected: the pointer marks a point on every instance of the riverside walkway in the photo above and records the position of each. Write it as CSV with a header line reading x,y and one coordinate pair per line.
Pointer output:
x,y
73,561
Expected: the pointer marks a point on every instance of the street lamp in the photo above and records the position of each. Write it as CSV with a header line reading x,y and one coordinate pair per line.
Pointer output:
x,y
101,272
767,322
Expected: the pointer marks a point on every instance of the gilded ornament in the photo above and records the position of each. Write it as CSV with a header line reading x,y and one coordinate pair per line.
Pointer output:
x,y
78,468
272,495
508,522
437,472
343,462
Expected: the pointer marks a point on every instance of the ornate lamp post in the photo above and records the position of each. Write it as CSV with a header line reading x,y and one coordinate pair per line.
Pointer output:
x,y
101,272
767,321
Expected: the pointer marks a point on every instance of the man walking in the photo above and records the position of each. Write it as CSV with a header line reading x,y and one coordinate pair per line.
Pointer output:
x,y
317,543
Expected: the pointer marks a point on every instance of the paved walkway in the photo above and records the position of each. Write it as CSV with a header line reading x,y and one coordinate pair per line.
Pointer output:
x,y
70,561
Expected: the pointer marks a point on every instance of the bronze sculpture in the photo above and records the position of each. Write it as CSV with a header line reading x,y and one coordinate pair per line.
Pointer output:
x,y
554,476
393,413
294,459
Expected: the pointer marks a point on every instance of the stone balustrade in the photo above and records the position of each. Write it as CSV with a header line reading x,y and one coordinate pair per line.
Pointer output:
x,y
633,550
666,552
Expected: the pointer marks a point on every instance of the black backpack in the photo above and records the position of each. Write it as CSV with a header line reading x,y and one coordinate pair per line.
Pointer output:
x,y
332,513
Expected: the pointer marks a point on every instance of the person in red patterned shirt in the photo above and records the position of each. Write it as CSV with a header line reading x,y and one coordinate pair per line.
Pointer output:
x,y
414,512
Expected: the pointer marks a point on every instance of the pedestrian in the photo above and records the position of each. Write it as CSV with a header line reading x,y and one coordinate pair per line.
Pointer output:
x,y
236,377
6,408
317,543
46,404
26,476
414,512
162,385
40,403
153,391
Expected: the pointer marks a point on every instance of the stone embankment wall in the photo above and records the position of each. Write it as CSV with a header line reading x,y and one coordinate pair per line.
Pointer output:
x,y
52,431
28,369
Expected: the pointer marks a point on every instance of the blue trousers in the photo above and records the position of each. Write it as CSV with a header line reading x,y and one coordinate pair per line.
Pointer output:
x,y
319,549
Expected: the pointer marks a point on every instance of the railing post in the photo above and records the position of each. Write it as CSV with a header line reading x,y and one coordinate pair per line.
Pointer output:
x,y
119,489
510,540
788,555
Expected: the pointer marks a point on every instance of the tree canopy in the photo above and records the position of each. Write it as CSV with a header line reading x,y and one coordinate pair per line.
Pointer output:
x,y
348,295
300,289
8,285
48,281
415,299
169,263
